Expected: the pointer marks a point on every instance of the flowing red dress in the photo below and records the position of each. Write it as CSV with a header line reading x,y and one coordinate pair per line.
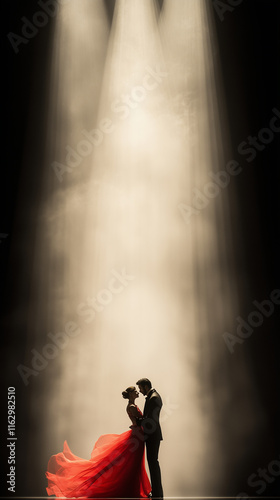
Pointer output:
x,y
116,468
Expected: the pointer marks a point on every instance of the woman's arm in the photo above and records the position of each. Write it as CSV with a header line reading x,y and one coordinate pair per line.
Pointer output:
x,y
132,413
132,410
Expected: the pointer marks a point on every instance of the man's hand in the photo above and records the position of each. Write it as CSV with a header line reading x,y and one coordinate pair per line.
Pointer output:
x,y
139,421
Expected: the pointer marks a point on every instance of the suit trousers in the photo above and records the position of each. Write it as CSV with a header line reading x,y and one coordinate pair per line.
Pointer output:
x,y
152,447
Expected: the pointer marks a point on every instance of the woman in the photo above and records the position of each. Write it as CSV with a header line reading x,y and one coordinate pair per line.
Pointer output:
x,y
116,468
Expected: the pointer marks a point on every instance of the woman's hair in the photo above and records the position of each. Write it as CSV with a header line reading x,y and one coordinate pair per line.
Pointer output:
x,y
125,394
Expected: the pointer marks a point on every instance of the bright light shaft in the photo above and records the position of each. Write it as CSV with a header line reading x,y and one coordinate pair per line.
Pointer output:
x,y
132,210
113,251
131,193
133,223
77,62
212,265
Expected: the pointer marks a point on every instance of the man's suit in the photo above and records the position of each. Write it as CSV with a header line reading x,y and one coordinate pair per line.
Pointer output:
x,y
153,436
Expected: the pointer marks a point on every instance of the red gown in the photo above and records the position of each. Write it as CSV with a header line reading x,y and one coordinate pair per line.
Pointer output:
x,y
116,468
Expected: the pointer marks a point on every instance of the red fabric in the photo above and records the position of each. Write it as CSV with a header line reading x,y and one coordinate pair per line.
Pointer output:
x,y
116,469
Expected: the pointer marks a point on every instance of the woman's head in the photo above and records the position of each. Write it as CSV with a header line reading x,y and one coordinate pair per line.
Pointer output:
x,y
130,393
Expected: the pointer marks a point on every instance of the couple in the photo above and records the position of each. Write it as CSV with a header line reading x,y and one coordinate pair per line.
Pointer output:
x,y
116,468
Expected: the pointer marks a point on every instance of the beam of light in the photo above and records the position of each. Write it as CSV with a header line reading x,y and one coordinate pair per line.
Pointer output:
x,y
212,251
116,213
80,37
133,188
138,178
131,223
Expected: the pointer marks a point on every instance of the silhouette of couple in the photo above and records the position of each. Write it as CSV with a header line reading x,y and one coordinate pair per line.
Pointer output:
x,y
116,468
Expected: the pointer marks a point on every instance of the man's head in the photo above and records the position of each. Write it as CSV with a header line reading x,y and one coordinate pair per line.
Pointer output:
x,y
144,385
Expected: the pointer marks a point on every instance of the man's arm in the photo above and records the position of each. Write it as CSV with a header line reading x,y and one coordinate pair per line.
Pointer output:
x,y
153,408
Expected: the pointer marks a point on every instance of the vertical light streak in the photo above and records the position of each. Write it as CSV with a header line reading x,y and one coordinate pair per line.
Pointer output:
x,y
77,62
118,209
212,247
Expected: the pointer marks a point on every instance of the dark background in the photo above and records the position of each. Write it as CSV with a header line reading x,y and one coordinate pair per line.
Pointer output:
x,y
249,48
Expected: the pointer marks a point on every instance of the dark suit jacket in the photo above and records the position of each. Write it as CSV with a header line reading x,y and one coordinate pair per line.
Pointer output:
x,y
150,419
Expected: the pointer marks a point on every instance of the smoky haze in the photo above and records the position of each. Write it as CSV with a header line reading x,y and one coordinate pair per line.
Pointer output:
x,y
134,271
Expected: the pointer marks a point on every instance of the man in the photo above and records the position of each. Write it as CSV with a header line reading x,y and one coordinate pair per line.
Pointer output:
x,y
152,430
